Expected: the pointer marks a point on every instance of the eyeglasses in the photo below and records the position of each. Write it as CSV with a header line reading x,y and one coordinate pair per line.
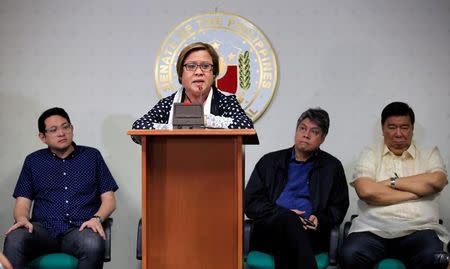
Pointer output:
x,y
205,67
65,128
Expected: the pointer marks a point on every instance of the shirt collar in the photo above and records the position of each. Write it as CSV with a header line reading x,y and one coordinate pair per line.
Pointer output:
x,y
312,158
74,153
409,153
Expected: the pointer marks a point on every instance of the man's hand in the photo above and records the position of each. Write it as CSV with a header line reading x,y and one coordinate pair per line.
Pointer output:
x,y
314,220
311,223
4,261
21,215
22,223
95,225
422,184
380,193
306,225
106,208
298,212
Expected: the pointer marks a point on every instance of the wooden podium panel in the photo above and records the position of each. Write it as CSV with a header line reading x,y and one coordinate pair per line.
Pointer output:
x,y
192,191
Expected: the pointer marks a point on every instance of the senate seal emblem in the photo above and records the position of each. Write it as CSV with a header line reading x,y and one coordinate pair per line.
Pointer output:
x,y
248,65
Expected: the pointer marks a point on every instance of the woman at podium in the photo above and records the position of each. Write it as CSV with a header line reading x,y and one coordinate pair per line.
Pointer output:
x,y
197,69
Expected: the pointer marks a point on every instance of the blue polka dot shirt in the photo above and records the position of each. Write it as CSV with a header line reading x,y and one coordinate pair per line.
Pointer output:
x,y
65,192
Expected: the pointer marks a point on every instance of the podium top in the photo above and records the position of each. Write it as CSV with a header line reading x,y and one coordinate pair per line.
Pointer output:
x,y
250,136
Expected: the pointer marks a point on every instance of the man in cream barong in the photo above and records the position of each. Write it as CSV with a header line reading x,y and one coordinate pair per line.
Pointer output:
x,y
398,184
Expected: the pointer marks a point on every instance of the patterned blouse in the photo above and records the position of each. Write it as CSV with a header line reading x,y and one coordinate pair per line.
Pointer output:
x,y
221,105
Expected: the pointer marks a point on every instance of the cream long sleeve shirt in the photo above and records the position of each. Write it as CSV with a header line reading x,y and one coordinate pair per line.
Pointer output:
x,y
400,219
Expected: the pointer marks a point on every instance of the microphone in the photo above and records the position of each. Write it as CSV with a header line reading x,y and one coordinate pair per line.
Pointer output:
x,y
201,104
201,95
188,116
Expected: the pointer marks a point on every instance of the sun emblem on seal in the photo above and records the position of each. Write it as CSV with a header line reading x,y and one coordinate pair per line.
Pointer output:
x,y
248,64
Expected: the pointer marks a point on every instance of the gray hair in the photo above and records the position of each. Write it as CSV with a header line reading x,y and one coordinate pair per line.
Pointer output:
x,y
317,115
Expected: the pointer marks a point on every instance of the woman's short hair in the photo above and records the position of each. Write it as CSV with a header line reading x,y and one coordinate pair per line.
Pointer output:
x,y
196,47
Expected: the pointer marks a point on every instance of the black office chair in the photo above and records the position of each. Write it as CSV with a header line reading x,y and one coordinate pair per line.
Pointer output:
x,y
388,263
260,260
66,261
139,241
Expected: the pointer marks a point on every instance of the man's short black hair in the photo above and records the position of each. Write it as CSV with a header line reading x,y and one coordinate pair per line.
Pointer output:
x,y
317,115
397,109
48,113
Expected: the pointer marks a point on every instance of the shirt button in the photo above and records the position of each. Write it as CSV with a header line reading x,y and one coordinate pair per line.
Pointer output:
x,y
67,202
67,214
65,188
70,221
64,173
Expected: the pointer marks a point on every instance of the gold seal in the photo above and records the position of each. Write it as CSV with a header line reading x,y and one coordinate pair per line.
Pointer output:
x,y
248,64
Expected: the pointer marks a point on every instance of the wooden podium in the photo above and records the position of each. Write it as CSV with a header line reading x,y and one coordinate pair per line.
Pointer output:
x,y
192,198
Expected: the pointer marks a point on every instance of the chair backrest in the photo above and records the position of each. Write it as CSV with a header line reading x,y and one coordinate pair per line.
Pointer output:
x,y
385,263
332,253
63,260
248,225
139,241
347,225
107,228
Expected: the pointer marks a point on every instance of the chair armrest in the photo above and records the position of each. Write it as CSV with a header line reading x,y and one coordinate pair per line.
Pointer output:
x,y
334,245
248,225
347,225
139,241
346,229
107,228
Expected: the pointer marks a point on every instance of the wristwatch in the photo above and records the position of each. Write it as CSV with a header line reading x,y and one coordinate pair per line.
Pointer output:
x,y
393,179
98,217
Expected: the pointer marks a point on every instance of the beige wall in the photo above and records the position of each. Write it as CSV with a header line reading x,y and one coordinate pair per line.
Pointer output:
x,y
96,59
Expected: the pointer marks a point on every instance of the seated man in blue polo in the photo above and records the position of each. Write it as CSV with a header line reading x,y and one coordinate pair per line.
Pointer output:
x,y
296,196
71,191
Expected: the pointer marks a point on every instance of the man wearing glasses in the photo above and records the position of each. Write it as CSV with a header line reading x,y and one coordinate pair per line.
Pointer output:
x,y
197,69
71,190
398,184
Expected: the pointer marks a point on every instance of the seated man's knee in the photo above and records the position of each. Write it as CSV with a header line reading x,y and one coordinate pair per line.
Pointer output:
x,y
348,253
16,239
354,255
92,243
429,258
288,220
291,232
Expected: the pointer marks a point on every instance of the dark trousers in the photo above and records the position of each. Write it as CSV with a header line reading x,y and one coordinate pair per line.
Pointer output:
x,y
87,246
283,237
365,249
